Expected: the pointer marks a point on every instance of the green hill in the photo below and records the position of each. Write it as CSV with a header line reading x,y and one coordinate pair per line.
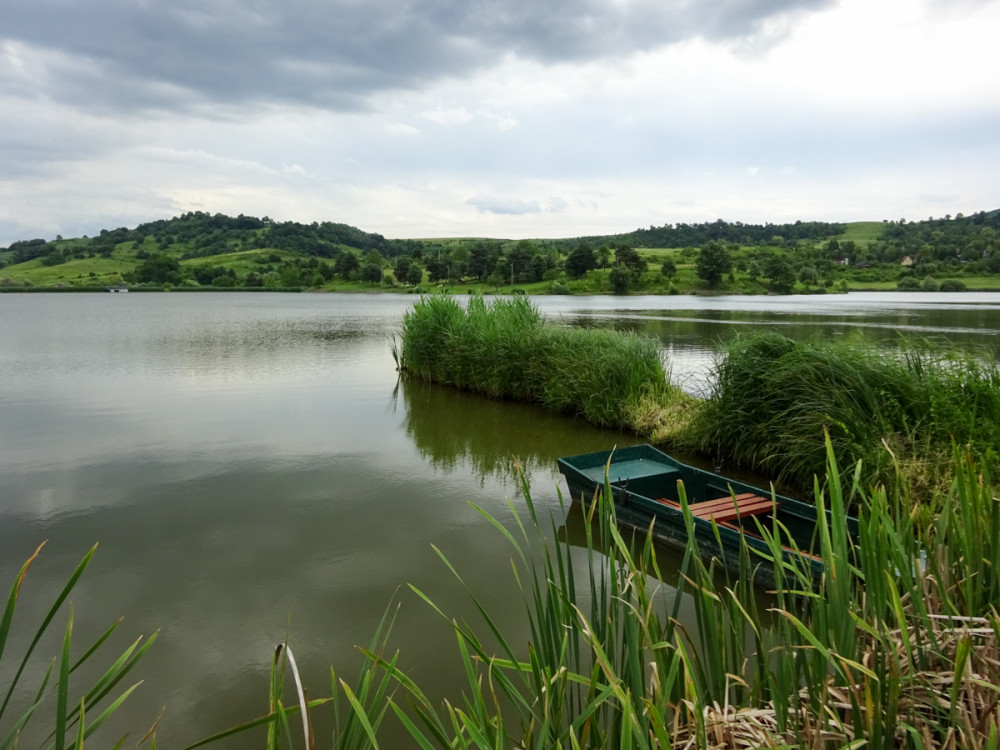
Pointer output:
x,y
202,251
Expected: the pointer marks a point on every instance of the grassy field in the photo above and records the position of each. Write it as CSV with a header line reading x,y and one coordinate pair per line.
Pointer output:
x,y
78,271
862,232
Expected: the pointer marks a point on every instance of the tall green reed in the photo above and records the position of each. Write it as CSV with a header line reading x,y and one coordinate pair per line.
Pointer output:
x,y
896,648
505,350
82,705
896,411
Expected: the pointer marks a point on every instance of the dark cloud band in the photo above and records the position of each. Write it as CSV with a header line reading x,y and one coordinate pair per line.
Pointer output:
x,y
337,54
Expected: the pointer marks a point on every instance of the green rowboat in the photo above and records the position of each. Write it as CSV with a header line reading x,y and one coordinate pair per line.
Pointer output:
x,y
645,486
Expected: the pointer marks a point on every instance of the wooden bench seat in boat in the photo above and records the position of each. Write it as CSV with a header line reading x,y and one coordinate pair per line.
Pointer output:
x,y
724,509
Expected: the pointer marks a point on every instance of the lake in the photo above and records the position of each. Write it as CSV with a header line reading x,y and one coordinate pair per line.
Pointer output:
x,y
253,469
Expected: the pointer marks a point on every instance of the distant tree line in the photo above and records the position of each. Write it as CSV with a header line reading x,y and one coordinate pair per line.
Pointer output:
x,y
204,249
738,233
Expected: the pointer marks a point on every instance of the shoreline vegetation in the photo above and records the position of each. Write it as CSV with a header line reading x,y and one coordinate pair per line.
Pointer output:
x,y
895,412
198,251
900,650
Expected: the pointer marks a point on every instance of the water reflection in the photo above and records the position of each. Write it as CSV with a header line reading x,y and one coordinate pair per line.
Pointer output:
x,y
464,432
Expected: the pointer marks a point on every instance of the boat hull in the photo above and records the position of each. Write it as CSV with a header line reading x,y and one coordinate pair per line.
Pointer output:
x,y
647,487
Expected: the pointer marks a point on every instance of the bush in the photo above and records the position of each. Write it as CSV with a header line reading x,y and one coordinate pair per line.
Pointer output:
x,y
558,287
952,285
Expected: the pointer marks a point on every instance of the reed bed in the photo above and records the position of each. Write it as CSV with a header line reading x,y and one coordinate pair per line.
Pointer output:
x,y
504,349
887,408
898,652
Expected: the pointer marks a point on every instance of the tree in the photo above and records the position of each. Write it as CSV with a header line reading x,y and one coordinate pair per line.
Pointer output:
x,y
415,274
713,262
808,275
778,270
620,278
580,261
537,267
668,268
373,256
634,262
482,258
438,268
519,257
403,263
371,272
346,264
290,275
159,269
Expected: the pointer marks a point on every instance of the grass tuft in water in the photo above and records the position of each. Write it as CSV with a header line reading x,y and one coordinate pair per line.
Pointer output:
x,y
504,349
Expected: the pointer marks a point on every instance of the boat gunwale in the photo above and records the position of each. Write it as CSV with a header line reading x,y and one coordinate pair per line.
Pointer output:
x,y
724,538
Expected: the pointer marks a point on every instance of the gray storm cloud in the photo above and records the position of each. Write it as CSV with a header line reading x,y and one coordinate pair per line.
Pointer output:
x,y
144,54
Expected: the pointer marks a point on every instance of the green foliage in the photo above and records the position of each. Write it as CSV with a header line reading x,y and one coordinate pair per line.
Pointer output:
x,y
714,261
579,261
159,269
690,235
775,397
621,279
893,650
778,270
414,274
964,246
371,273
505,350
77,713
952,285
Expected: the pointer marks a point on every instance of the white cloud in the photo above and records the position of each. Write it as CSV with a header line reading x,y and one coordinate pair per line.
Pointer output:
x,y
448,116
399,128
504,205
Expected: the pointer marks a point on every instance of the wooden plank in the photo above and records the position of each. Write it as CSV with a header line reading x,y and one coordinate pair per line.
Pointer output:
x,y
727,523
733,513
720,503
726,509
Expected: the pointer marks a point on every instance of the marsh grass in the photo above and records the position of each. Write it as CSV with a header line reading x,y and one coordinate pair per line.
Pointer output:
x,y
69,706
898,647
504,349
897,411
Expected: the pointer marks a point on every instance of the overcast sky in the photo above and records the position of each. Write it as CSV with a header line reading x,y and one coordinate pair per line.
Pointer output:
x,y
503,118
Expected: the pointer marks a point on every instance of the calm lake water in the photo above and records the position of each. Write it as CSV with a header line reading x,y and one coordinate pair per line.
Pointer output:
x,y
252,468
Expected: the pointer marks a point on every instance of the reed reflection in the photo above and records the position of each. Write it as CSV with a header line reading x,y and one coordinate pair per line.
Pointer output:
x,y
459,432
